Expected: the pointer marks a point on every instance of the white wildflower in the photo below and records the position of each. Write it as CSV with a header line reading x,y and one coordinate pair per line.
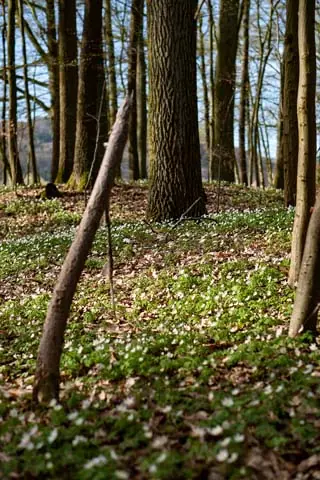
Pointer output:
x,y
159,442
53,435
73,415
238,438
268,390
233,457
215,431
121,474
162,457
95,462
227,402
79,439
225,442
222,455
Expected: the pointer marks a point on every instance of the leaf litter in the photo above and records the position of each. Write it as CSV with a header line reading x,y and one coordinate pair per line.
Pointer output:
x,y
193,377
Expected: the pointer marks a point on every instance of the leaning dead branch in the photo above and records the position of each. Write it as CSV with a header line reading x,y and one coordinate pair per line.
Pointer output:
x,y
47,376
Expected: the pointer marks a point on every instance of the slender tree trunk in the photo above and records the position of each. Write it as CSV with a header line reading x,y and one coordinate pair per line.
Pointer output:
x,y
32,153
135,27
307,301
279,170
175,175
211,76
307,134
142,105
244,95
53,66
4,157
92,119
112,74
112,100
290,120
68,80
224,155
47,376
203,74
15,167
265,51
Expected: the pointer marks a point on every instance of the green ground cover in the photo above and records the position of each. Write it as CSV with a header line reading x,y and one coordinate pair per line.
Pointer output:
x,y
193,377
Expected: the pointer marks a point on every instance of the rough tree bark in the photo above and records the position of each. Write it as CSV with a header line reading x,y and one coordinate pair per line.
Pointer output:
x,y
47,376
175,171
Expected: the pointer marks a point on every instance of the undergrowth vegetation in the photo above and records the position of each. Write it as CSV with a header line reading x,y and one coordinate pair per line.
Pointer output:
x,y
192,376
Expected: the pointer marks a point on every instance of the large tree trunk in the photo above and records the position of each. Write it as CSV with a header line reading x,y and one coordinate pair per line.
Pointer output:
x,y
175,172
223,154
92,112
68,65
15,166
290,120
307,134
47,377
307,301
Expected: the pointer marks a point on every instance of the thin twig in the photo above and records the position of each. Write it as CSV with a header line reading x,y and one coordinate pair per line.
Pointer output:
x,y
196,15
96,143
108,268
185,213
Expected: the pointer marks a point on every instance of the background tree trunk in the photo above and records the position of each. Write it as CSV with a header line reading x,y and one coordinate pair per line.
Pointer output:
x,y
135,28
3,148
32,153
15,167
111,71
278,181
290,121
203,73
307,134
223,154
47,376
92,119
142,104
68,67
244,91
53,66
175,172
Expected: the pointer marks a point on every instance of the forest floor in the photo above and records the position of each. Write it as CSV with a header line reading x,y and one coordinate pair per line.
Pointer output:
x,y
193,375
